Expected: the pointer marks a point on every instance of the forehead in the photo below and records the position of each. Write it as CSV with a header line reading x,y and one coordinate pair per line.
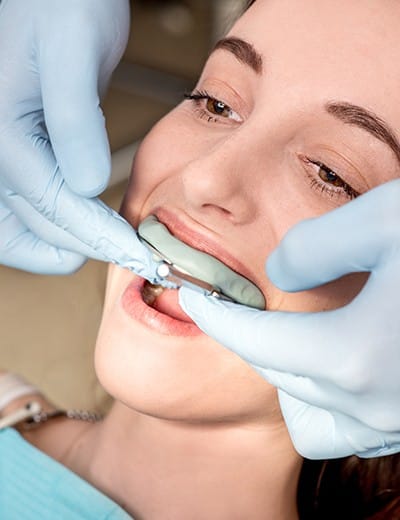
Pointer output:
x,y
336,49
359,22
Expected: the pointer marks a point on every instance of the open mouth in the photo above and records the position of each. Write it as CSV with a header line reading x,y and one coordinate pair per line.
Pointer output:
x,y
163,300
157,308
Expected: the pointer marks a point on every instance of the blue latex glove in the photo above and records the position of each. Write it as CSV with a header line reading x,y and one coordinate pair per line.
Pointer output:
x,y
56,59
338,371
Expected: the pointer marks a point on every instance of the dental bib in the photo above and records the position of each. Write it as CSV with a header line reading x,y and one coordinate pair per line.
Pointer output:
x,y
198,265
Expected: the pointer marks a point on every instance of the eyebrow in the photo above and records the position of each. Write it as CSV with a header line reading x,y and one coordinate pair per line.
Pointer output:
x,y
346,112
243,51
366,120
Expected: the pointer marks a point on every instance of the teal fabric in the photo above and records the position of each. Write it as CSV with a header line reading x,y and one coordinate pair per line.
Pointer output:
x,y
35,487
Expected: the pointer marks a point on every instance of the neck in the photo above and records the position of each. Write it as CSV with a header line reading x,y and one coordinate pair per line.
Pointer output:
x,y
157,469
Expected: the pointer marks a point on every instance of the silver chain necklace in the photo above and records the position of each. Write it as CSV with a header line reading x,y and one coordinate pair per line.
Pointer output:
x,y
32,415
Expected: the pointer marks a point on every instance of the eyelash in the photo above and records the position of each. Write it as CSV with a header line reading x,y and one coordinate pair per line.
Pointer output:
x,y
331,189
197,96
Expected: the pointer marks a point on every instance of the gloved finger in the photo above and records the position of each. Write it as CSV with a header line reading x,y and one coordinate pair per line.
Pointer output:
x,y
22,249
307,344
319,434
312,430
42,228
75,122
75,59
355,237
323,395
100,232
86,226
336,347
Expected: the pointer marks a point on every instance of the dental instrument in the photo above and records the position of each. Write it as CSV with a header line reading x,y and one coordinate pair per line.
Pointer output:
x,y
182,265
168,272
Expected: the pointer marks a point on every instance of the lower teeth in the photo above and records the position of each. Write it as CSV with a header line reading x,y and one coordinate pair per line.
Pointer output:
x,y
151,292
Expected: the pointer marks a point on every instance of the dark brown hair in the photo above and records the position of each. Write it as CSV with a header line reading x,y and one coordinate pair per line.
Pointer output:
x,y
354,488
360,489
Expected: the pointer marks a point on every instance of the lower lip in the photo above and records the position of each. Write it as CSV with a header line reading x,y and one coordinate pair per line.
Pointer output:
x,y
137,309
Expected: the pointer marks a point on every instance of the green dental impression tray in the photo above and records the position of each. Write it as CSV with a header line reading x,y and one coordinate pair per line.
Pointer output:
x,y
184,265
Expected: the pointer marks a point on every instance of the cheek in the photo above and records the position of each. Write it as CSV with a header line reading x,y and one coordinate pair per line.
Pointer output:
x,y
285,204
329,296
166,149
156,159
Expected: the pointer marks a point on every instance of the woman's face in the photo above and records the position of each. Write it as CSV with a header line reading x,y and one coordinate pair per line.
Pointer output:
x,y
289,120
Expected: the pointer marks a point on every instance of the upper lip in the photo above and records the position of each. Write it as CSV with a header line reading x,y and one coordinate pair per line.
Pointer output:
x,y
200,241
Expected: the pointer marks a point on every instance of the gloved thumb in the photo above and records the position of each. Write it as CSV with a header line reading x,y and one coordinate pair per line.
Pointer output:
x,y
355,237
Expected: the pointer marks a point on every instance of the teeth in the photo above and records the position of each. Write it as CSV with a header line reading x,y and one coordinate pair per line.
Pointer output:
x,y
151,292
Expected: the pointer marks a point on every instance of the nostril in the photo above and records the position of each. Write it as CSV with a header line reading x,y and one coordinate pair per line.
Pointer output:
x,y
239,212
219,209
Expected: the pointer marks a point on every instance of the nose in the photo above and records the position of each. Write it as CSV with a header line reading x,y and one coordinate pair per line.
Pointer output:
x,y
218,182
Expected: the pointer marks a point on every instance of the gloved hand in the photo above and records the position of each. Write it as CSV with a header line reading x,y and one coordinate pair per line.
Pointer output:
x,y
338,371
56,58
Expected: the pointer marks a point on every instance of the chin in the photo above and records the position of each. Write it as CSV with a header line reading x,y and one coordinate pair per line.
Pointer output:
x,y
192,379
